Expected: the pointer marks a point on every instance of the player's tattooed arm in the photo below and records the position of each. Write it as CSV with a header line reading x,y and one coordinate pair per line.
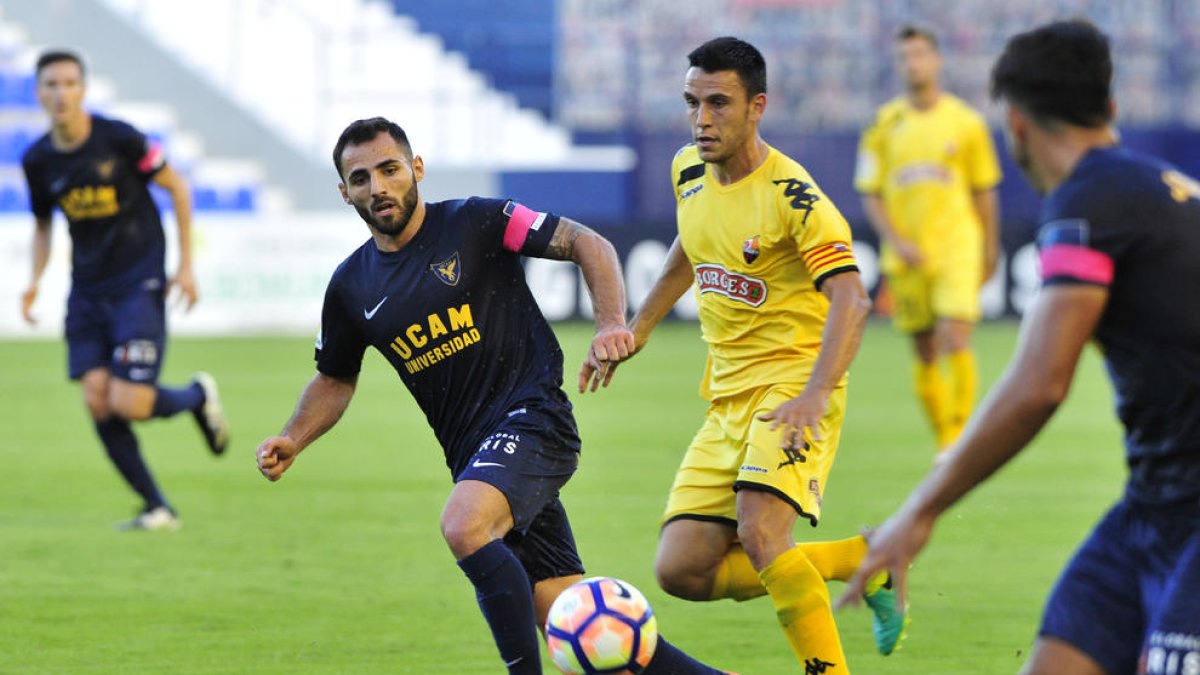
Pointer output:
x,y
601,268
562,244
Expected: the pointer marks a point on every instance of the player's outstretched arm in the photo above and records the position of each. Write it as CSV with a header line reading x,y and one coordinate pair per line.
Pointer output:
x,y
1053,334
849,306
601,268
41,256
320,406
184,280
672,283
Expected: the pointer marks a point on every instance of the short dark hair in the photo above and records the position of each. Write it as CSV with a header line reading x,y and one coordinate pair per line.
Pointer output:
x,y
912,31
1060,72
51,57
364,131
730,53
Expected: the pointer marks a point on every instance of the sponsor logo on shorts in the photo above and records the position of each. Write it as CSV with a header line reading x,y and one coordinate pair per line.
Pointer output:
x,y
1171,654
143,352
141,374
501,440
713,278
794,455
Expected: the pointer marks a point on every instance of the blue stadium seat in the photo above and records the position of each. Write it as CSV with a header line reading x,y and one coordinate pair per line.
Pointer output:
x,y
17,90
13,198
511,42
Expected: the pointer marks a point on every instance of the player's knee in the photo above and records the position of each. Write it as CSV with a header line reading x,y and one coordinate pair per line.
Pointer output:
x,y
464,534
127,409
97,407
926,351
96,401
762,541
682,581
954,336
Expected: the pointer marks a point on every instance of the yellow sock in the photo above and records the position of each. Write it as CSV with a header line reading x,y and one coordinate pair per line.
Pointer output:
x,y
931,390
836,559
803,609
964,377
736,577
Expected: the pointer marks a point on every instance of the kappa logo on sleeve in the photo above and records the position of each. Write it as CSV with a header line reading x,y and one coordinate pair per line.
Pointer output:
x,y
803,195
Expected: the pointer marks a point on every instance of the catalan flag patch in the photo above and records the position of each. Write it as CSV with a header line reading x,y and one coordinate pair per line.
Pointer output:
x,y
829,259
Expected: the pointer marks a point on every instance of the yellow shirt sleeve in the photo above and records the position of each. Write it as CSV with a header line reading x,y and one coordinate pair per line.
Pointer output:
x,y
983,167
823,238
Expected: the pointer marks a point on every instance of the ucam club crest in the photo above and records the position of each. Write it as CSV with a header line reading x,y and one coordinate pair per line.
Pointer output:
x,y
713,278
447,271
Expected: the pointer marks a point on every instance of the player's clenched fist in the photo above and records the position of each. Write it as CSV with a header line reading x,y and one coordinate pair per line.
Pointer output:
x,y
275,455
613,343
611,346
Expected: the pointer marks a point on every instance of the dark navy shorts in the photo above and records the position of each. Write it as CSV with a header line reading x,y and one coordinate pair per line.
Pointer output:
x,y
528,458
125,333
1131,594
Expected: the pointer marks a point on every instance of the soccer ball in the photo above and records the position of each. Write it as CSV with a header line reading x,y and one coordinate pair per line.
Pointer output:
x,y
601,625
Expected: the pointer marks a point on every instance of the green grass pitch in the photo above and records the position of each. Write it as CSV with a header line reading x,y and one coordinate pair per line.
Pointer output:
x,y
339,568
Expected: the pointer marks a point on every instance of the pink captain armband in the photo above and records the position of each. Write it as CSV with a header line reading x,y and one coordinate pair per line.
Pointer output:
x,y
1076,262
152,160
520,222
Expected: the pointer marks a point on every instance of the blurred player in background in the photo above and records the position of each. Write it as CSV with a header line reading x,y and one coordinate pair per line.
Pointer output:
x,y
97,170
782,309
927,171
440,292
1120,254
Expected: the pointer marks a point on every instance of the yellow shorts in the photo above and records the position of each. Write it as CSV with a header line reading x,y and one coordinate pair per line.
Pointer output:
x,y
734,450
921,297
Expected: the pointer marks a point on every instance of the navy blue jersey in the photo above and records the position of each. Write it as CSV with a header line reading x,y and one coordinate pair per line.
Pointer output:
x,y
1132,224
453,315
102,189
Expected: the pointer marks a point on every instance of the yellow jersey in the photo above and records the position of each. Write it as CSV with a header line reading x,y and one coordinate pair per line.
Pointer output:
x,y
760,248
925,165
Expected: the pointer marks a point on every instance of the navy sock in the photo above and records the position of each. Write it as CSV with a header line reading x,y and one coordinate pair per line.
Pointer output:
x,y
506,600
668,660
122,448
171,400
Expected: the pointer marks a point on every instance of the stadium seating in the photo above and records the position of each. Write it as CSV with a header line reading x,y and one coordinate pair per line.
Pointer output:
x,y
360,58
216,188
830,63
512,42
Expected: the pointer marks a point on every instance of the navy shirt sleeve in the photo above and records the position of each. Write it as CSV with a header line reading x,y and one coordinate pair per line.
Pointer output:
x,y
142,153
1081,239
340,344
41,202
516,228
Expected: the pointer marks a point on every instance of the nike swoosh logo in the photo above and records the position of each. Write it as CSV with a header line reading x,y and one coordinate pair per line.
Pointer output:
x,y
479,463
367,315
510,664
